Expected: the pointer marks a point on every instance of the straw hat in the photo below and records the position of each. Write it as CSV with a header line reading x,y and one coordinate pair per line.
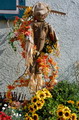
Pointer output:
x,y
40,9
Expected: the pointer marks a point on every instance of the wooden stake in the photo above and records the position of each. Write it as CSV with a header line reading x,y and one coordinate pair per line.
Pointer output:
x,y
51,11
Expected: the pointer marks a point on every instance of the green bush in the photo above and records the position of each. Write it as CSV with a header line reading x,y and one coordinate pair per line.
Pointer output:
x,y
62,92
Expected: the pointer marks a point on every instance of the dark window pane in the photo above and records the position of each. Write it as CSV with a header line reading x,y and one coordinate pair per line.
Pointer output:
x,y
7,4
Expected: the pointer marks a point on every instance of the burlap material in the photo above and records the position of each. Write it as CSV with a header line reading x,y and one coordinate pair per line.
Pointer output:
x,y
40,8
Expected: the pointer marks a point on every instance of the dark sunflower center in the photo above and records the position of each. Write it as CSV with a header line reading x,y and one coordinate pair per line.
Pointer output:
x,y
47,94
31,109
35,117
38,104
35,100
59,119
67,114
73,117
41,95
60,113
35,106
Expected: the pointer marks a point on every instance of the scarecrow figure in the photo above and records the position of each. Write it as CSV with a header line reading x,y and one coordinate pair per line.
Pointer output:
x,y
38,40
42,31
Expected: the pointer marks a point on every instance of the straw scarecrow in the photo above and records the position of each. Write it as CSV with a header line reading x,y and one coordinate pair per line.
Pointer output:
x,y
38,40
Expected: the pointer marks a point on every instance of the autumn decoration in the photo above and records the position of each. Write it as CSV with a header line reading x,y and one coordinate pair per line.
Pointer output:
x,y
51,100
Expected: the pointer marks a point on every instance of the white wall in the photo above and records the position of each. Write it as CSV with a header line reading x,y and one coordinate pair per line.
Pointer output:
x,y
66,28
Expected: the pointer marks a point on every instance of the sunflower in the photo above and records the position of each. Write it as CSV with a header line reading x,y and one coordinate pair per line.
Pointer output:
x,y
41,95
39,104
59,119
70,119
70,101
60,113
60,106
31,108
28,118
27,11
77,103
66,109
38,92
66,115
26,115
48,94
42,101
73,116
44,89
35,116
34,99
35,106
50,50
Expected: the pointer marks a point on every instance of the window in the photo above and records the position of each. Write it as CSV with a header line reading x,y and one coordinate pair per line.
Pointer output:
x,y
8,8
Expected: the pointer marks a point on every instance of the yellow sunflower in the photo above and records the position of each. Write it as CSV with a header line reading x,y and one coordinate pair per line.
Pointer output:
x,y
41,95
44,89
60,113
42,101
39,104
35,116
66,109
49,47
35,107
60,106
26,115
31,108
70,101
48,94
66,114
77,103
50,50
34,99
27,11
73,116
28,118
38,92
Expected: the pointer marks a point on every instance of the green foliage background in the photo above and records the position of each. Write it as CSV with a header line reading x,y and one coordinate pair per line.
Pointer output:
x,y
61,93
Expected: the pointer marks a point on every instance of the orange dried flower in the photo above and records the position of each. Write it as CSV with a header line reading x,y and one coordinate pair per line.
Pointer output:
x,y
23,45
23,54
28,27
48,85
50,60
22,81
70,101
27,33
11,87
8,94
16,20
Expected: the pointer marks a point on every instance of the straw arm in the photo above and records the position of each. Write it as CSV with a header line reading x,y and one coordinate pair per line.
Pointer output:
x,y
58,12
51,11
20,6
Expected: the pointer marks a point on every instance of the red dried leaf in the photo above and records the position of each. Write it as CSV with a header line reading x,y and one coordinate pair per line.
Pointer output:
x,y
11,87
